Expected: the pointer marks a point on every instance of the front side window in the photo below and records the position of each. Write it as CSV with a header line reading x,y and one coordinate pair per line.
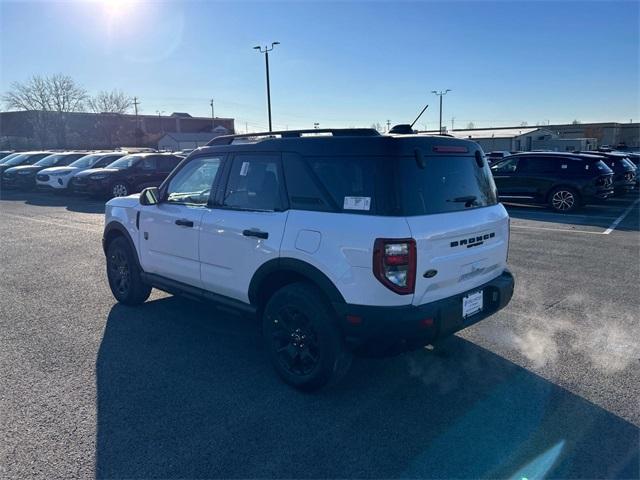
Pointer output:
x,y
147,164
193,183
507,166
254,183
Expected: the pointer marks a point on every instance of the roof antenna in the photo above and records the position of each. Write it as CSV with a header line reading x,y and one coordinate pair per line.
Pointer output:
x,y
406,129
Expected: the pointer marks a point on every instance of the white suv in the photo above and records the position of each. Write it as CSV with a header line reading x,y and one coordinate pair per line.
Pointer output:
x,y
339,241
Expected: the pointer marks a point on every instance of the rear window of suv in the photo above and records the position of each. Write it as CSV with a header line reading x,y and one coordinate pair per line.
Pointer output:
x,y
394,186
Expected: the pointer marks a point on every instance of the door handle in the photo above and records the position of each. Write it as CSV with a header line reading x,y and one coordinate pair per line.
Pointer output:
x,y
184,223
255,233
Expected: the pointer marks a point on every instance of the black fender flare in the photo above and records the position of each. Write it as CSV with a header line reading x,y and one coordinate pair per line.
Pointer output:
x,y
299,267
115,227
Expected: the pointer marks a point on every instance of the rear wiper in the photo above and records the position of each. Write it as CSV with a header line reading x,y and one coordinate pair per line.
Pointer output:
x,y
468,200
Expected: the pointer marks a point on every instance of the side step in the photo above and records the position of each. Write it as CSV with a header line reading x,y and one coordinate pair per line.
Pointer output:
x,y
179,288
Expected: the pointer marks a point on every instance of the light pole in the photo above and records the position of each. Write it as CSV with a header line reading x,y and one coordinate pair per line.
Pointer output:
x,y
266,51
212,116
441,94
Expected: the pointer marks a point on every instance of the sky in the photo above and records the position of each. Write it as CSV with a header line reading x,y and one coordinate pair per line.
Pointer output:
x,y
340,64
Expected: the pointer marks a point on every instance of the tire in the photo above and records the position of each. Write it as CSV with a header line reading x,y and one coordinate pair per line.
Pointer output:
x,y
304,345
564,200
119,189
123,274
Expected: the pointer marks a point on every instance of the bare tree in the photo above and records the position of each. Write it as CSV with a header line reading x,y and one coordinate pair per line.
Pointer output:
x,y
524,124
48,98
471,125
576,122
110,102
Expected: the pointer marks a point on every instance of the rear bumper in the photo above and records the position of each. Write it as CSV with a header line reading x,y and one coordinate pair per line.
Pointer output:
x,y
383,329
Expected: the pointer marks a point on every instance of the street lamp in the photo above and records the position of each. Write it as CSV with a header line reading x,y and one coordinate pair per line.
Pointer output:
x,y
266,51
441,94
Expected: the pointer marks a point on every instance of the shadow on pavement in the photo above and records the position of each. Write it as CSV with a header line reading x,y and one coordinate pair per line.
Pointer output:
x,y
73,203
185,391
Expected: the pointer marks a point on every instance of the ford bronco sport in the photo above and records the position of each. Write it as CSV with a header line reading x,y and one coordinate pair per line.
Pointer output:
x,y
339,241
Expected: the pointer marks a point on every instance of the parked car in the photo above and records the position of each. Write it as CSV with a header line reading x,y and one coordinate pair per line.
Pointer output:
x,y
24,158
24,176
624,171
127,175
496,156
59,178
311,235
564,181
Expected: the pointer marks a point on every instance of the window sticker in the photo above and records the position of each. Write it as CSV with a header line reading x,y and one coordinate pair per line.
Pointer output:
x,y
357,203
244,169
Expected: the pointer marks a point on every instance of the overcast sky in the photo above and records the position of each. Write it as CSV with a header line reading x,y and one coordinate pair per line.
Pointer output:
x,y
340,64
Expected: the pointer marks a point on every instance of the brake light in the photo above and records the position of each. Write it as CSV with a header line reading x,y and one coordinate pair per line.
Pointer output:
x,y
450,149
394,264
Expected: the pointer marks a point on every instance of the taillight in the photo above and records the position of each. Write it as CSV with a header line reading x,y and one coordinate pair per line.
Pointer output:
x,y
394,264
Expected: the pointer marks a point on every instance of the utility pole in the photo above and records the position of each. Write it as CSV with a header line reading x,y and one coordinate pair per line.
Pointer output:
x,y
388,125
137,130
453,119
441,94
266,51
160,112
212,116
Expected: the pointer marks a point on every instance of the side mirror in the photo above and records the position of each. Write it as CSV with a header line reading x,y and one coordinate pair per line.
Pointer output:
x,y
150,196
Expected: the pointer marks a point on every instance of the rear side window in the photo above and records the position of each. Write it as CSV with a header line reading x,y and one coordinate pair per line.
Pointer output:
x,y
507,166
537,165
254,183
445,184
168,163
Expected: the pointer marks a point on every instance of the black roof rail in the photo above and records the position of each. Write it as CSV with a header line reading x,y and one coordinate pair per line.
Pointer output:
x,y
336,132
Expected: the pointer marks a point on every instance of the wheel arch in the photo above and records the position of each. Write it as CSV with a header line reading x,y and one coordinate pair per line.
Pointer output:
x,y
113,230
279,272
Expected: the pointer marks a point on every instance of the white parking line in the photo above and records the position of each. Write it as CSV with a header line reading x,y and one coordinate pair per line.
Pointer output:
x,y
617,221
528,227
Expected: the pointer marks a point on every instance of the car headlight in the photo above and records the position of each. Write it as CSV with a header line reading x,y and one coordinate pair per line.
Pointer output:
x,y
24,173
98,176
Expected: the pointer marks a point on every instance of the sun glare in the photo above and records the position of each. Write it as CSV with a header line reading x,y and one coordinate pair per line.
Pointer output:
x,y
117,9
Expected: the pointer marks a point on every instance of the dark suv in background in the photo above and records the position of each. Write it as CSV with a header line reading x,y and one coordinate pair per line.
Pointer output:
x,y
127,175
624,170
24,176
563,181
24,158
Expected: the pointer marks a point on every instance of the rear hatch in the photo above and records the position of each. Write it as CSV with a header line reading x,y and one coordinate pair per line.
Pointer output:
x,y
461,231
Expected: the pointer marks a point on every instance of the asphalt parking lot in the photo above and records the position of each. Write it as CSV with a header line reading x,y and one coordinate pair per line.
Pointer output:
x,y
547,387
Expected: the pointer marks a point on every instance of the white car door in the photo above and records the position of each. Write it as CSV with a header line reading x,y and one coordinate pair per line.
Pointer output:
x,y
246,229
170,230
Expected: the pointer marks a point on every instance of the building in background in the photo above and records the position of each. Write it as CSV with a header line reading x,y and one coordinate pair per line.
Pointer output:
x,y
518,139
25,130
188,141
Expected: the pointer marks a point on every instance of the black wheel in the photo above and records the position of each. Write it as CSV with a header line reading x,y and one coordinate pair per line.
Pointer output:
x,y
119,189
304,344
124,275
564,200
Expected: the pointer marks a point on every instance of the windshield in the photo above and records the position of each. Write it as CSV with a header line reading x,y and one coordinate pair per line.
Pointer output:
x,y
17,160
49,161
125,162
8,158
86,161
